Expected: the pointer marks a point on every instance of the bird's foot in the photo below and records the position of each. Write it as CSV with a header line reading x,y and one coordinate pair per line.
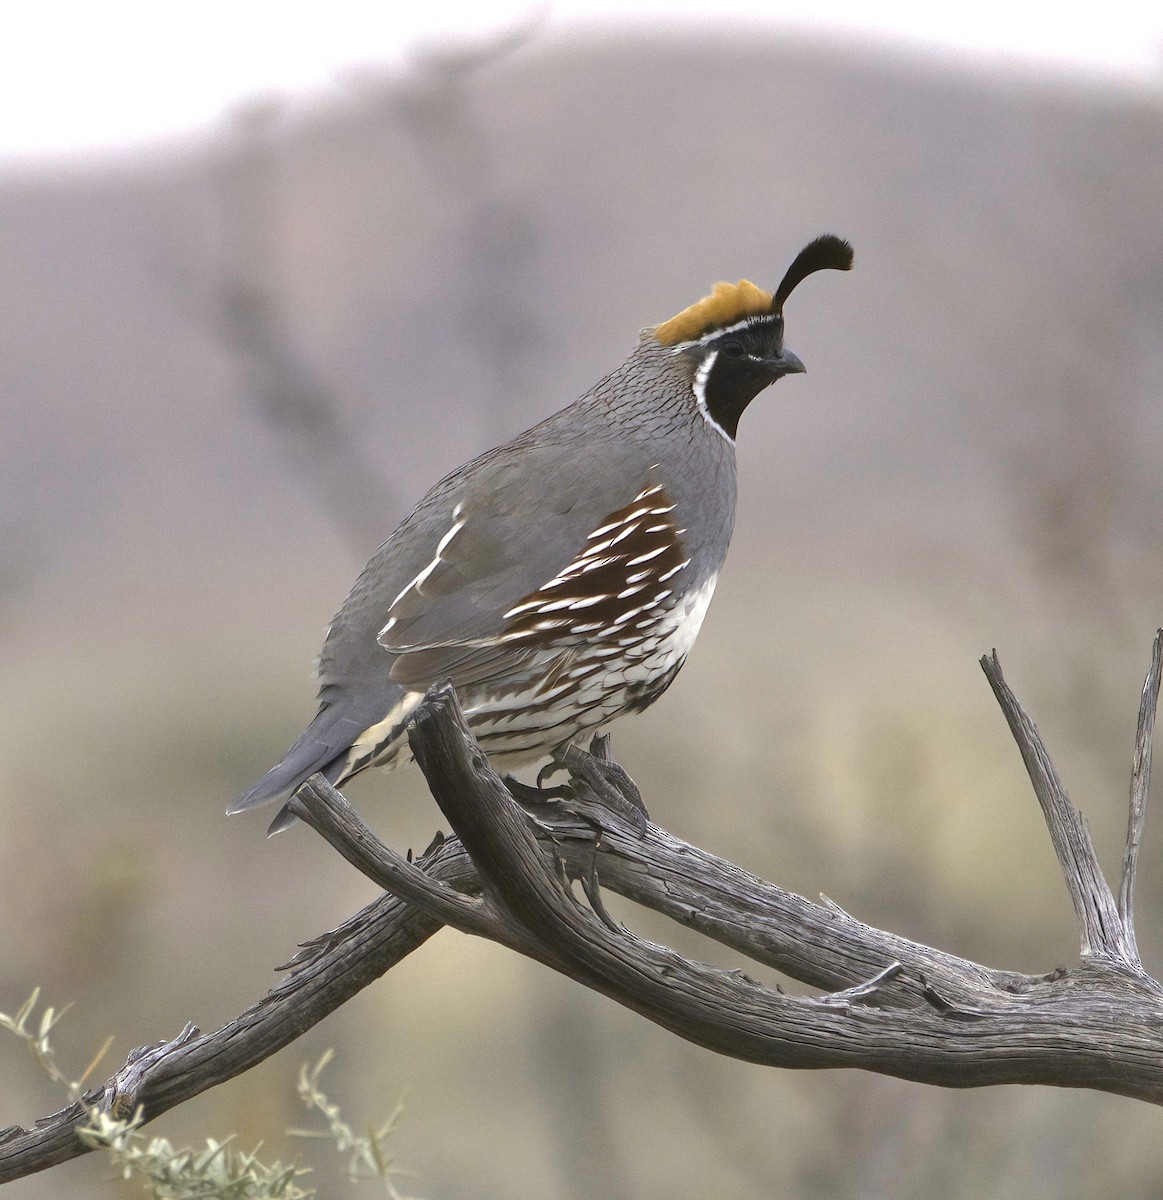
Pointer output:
x,y
593,773
593,776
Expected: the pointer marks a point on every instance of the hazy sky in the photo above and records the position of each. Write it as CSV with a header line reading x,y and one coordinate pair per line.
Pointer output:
x,y
82,76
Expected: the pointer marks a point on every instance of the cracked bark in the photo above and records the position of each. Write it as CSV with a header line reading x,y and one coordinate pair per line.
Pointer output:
x,y
888,1005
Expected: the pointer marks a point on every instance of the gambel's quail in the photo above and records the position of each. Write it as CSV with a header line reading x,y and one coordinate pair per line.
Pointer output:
x,y
559,580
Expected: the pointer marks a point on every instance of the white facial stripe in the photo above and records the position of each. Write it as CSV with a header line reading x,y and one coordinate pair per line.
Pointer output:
x,y
707,338
699,387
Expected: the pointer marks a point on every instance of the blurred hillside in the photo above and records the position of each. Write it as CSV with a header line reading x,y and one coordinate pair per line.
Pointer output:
x,y
973,461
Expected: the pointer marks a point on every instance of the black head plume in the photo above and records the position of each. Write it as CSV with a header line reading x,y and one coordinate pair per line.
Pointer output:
x,y
827,252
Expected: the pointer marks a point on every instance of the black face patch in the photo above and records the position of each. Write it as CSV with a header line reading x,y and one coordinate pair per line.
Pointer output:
x,y
746,360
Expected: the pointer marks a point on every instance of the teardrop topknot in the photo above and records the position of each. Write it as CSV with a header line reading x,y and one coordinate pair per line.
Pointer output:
x,y
826,253
730,303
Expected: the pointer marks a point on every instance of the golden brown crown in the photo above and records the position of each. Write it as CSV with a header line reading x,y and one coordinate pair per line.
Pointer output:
x,y
727,304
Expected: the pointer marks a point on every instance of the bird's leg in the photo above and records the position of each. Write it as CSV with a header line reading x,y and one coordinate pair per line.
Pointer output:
x,y
605,779
593,775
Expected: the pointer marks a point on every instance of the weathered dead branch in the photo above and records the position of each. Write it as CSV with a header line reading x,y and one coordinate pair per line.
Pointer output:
x,y
889,1004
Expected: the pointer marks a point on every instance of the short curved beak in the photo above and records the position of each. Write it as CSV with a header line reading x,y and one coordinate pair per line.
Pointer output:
x,y
787,364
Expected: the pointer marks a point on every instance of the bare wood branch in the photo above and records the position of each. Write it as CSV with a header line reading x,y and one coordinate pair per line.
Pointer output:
x,y
1057,1030
327,971
1100,928
891,1005
1140,786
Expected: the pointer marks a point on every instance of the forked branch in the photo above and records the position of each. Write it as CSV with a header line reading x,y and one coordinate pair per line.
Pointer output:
x,y
888,1004
1101,930
908,1011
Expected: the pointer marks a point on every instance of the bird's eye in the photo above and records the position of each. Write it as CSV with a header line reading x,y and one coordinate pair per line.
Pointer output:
x,y
733,348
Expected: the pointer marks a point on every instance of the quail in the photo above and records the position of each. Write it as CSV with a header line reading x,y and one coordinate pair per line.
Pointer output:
x,y
559,580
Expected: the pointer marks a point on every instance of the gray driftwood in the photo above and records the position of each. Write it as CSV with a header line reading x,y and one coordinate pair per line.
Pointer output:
x,y
887,1004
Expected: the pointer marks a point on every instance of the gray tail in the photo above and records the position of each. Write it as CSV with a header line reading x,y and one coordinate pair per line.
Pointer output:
x,y
322,747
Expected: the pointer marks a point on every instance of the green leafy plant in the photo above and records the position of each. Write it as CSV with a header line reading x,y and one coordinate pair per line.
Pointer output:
x,y
219,1171
37,1041
368,1157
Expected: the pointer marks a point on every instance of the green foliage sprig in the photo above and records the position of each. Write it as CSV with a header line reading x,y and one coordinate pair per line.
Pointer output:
x,y
219,1171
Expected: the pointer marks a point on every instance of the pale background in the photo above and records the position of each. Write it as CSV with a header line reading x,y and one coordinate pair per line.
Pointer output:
x,y
973,461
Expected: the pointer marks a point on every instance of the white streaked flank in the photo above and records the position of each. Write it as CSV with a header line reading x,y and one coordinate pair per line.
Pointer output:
x,y
381,731
417,584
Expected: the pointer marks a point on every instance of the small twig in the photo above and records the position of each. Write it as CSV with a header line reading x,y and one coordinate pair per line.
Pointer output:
x,y
326,810
1140,786
863,991
121,1095
1100,929
831,904
944,1005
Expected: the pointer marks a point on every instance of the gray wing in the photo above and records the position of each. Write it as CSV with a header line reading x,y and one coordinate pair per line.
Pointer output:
x,y
507,532
437,598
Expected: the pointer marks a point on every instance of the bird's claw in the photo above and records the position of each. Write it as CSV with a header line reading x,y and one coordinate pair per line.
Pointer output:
x,y
595,773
